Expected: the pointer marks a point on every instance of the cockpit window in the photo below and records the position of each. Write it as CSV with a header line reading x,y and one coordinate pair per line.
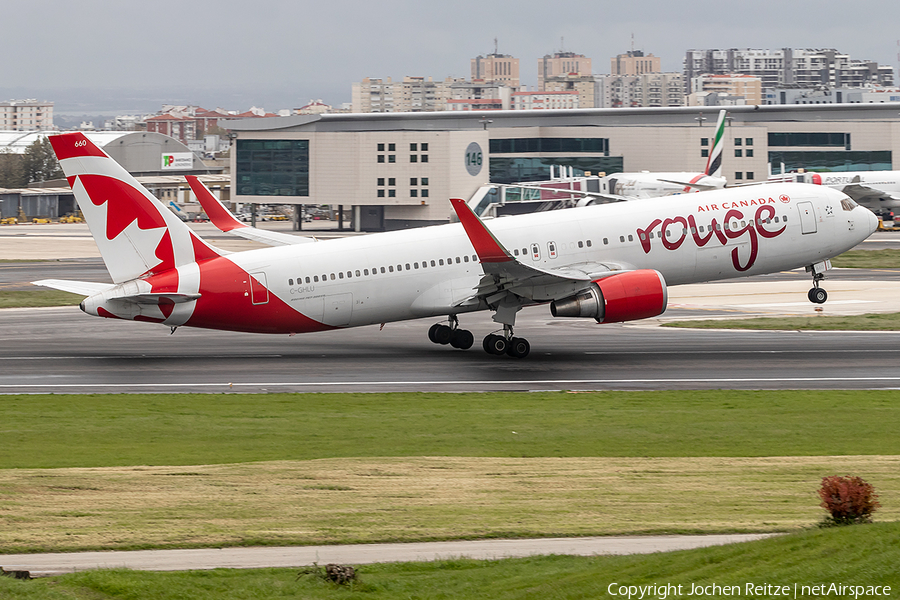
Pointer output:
x,y
848,204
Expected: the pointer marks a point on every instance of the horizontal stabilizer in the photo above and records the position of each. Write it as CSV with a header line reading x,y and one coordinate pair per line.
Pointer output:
x,y
270,238
85,288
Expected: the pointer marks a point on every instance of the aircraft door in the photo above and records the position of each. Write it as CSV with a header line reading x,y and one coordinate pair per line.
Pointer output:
x,y
259,289
807,217
338,308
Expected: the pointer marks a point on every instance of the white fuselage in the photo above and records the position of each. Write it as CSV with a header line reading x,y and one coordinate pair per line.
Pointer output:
x,y
430,271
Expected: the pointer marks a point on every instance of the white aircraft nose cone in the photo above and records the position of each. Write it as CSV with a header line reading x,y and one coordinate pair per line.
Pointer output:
x,y
873,221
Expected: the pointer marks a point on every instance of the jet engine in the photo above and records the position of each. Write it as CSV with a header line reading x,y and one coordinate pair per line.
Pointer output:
x,y
621,297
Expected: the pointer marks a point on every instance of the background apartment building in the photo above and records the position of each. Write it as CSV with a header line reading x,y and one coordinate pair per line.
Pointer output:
x,y
647,90
583,85
544,100
634,62
496,68
26,115
561,64
413,94
748,87
787,67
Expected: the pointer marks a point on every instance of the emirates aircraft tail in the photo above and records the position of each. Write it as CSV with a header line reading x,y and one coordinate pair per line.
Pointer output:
x,y
714,164
136,234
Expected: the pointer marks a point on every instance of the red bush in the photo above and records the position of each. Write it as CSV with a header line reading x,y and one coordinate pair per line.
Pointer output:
x,y
848,499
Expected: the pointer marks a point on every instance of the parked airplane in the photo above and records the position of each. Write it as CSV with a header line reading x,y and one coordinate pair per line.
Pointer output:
x,y
620,187
879,191
610,263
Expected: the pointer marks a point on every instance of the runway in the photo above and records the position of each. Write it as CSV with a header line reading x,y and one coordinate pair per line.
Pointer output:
x,y
63,350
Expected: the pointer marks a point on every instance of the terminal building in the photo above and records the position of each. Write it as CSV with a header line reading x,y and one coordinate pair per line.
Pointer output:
x,y
398,170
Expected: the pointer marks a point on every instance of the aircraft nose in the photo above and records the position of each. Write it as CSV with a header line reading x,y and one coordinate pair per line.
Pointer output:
x,y
872,221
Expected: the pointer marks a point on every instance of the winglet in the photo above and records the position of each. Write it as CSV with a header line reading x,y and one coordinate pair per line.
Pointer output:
x,y
488,248
215,210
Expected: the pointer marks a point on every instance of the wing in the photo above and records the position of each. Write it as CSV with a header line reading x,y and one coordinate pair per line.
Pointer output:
x,y
870,197
509,284
703,187
603,198
226,222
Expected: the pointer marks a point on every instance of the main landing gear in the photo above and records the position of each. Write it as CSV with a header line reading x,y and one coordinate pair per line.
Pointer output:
x,y
816,294
463,339
515,347
451,334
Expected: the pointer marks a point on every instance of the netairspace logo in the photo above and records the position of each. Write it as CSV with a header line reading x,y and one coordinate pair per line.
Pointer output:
x,y
749,589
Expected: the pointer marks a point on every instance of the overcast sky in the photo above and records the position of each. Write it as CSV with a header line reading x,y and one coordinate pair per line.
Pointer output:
x,y
106,55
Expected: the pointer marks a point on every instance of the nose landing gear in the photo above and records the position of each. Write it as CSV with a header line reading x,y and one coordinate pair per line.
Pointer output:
x,y
816,294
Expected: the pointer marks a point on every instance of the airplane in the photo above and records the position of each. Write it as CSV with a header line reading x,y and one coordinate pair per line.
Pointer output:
x,y
620,187
610,262
879,191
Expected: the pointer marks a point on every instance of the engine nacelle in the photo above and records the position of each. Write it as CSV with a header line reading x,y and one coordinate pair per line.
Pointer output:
x,y
621,297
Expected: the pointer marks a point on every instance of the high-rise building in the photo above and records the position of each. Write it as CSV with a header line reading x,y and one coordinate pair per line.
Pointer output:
x,y
562,63
496,68
788,67
634,62
26,115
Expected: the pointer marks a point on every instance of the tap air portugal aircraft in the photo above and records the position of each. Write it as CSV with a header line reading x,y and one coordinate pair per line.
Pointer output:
x,y
610,262
879,191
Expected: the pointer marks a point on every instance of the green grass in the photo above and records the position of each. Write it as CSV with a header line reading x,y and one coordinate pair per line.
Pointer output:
x,y
38,298
195,429
865,555
868,259
868,322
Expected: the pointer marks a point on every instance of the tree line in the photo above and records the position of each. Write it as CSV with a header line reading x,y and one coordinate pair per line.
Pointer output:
x,y
37,163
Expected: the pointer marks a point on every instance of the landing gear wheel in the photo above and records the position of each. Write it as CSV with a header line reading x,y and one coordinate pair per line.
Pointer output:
x,y
495,344
462,339
817,295
443,334
431,332
518,347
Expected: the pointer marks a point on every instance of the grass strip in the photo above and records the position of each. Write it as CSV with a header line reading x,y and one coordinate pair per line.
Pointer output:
x,y
38,298
51,431
862,555
354,500
867,322
868,259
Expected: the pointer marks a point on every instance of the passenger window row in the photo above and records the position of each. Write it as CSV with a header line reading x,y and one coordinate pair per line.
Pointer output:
x,y
440,262
552,247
